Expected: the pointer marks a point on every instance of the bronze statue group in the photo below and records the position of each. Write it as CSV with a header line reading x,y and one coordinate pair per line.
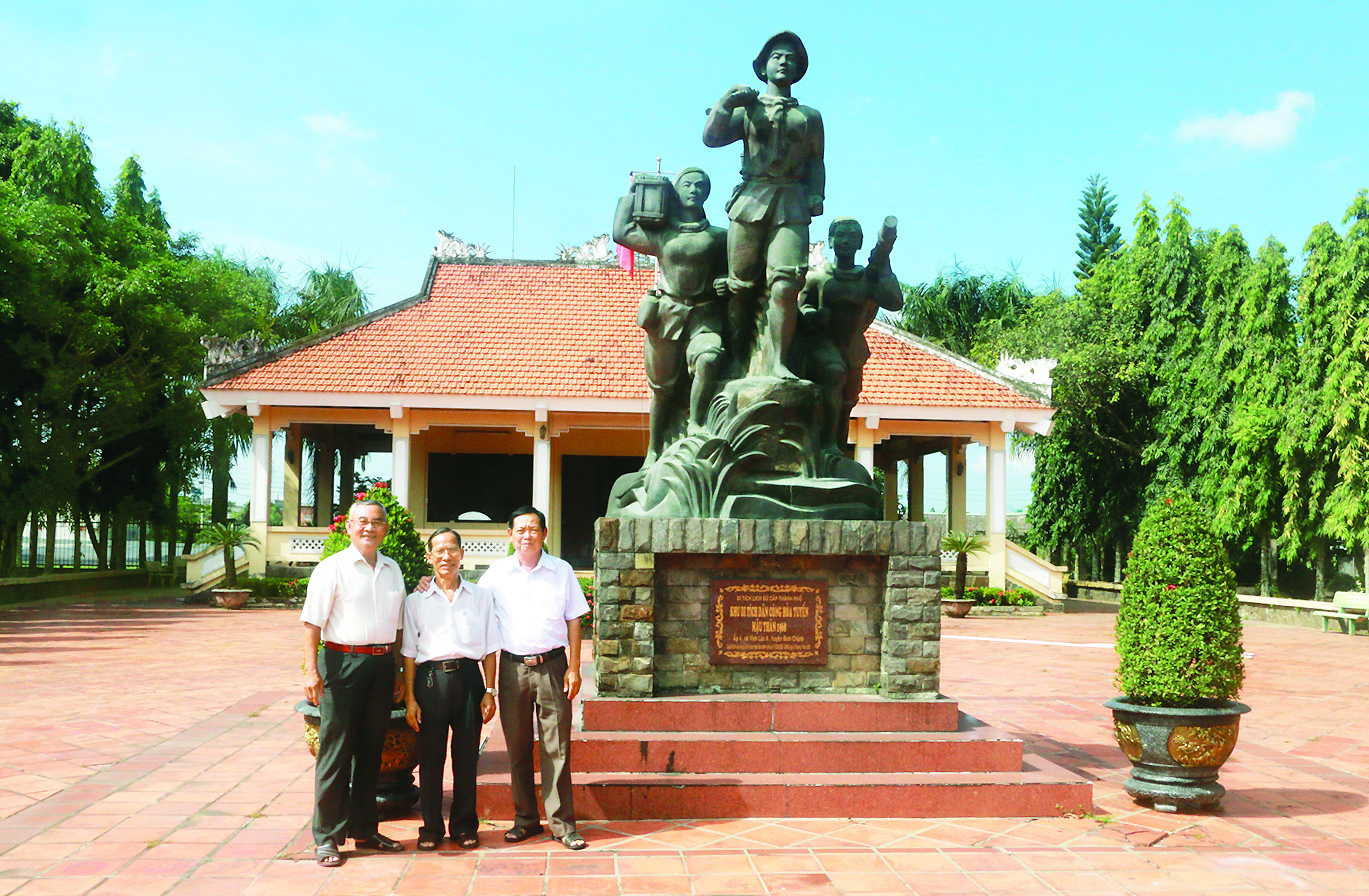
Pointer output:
x,y
741,303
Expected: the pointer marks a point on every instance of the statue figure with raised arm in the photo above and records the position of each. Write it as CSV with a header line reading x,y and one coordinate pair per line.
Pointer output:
x,y
782,189
837,306
682,313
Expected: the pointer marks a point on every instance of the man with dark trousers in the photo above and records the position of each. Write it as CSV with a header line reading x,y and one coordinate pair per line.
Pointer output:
x,y
353,609
538,604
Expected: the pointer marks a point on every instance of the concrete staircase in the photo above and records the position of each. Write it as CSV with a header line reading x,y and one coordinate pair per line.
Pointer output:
x,y
801,756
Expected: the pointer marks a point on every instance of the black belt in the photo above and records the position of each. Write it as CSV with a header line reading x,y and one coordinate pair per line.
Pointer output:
x,y
448,665
533,659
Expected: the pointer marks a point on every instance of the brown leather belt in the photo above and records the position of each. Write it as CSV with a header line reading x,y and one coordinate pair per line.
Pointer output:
x,y
371,649
532,659
448,665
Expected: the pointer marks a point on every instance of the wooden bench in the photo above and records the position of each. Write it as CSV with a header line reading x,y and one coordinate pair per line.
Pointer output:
x,y
1348,608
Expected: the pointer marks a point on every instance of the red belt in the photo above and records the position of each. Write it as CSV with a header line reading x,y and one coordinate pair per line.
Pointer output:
x,y
372,649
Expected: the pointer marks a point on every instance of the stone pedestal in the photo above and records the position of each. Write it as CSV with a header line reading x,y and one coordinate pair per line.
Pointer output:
x,y
652,601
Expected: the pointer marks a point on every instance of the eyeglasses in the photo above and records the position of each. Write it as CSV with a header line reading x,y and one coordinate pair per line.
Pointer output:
x,y
444,552
363,523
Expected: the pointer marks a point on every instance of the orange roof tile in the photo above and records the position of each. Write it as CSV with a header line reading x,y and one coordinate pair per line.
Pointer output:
x,y
559,331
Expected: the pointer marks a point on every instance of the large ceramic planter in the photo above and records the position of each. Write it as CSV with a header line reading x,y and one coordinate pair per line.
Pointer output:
x,y
1175,752
396,792
231,598
956,609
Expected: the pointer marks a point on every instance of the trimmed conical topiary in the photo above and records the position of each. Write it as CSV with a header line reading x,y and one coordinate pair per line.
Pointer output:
x,y
402,543
1179,626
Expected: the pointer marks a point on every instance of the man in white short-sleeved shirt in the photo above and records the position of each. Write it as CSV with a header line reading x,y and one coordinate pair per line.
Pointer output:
x,y
538,604
353,609
450,640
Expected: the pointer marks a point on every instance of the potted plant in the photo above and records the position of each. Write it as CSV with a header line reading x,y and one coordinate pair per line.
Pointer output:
x,y
963,544
228,537
1179,659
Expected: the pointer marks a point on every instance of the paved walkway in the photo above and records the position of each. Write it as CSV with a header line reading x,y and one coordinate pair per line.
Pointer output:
x,y
148,748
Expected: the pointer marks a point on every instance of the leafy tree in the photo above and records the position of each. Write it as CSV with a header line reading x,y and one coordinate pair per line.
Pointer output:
x,y
1307,467
1168,349
959,308
1249,493
1347,382
1099,238
330,297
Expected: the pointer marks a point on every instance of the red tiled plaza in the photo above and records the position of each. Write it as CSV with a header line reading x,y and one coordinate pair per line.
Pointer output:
x,y
153,748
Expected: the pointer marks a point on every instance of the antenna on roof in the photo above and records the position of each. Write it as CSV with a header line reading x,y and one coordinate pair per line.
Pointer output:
x,y
513,214
658,164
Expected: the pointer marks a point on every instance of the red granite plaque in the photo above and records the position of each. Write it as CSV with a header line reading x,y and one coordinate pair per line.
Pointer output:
x,y
757,622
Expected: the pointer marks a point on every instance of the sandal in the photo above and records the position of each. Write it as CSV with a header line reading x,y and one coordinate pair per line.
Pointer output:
x,y
573,841
518,833
467,840
327,855
429,844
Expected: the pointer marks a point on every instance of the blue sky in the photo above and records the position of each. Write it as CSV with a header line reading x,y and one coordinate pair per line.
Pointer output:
x,y
309,132
343,132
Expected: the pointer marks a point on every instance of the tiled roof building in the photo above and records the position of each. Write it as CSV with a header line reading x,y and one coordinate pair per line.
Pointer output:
x,y
501,372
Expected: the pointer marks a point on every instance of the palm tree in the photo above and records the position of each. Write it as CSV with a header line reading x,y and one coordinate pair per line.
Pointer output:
x,y
229,537
964,544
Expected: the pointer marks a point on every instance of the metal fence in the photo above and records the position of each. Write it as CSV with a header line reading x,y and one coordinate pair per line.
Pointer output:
x,y
65,544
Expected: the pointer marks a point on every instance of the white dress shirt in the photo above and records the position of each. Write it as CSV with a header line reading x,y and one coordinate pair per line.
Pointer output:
x,y
438,629
532,606
353,602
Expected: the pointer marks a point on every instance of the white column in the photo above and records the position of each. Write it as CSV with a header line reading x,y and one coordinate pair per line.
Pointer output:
x,y
399,457
996,503
865,443
541,468
261,490
261,469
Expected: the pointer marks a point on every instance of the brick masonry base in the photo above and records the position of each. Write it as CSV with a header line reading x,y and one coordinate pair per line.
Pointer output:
x,y
652,594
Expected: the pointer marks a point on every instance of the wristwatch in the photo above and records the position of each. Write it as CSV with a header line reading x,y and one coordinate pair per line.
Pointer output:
x,y
491,692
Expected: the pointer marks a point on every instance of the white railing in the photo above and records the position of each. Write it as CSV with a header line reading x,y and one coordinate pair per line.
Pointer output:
x,y
1033,573
205,567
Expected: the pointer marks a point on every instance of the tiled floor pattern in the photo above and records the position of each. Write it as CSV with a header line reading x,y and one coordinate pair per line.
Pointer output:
x,y
149,748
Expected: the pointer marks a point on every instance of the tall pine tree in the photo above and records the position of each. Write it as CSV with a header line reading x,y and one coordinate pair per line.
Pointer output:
x,y
1099,237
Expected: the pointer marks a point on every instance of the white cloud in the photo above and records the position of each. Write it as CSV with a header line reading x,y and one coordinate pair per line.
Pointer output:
x,y
1265,129
339,125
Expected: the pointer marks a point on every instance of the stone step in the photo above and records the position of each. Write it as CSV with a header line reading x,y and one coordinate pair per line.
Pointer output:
x,y
769,712
1039,788
974,748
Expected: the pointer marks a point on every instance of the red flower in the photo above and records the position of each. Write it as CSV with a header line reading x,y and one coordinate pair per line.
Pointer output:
x,y
333,527
382,485
360,495
1170,587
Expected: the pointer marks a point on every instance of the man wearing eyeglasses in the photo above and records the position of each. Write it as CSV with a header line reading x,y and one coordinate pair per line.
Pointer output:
x,y
352,608
538,604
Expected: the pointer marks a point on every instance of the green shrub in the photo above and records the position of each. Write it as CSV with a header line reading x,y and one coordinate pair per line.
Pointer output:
x,y
587,620
402,543
1179,625
272,587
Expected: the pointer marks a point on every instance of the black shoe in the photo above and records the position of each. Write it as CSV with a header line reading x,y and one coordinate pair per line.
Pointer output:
x,y
380,843
518,833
